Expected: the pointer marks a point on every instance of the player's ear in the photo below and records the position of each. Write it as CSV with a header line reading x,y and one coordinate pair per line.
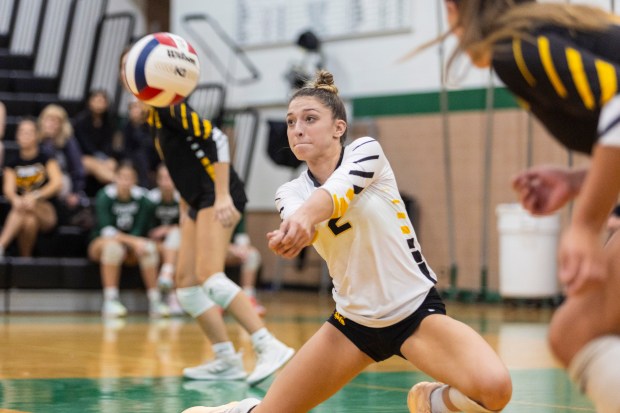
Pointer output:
x,y
341,127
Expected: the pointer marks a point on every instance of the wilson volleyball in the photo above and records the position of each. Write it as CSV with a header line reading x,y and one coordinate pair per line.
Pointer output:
x,y
162,69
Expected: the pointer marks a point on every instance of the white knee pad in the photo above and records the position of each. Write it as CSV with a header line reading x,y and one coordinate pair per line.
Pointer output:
x,y
112,253
252,261
595,371
173,239
150,256
194,300
221,289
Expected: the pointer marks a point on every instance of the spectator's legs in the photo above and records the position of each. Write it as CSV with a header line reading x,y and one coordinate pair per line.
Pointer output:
x,y
101,169
27,236
110,254
12,225
149,260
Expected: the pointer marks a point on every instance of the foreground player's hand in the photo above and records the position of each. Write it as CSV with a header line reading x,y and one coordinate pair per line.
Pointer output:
x,y
545,189
295,234
225,211
581,259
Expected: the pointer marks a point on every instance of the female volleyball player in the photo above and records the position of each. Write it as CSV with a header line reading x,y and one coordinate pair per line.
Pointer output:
x,y
347,203
197,156
563,61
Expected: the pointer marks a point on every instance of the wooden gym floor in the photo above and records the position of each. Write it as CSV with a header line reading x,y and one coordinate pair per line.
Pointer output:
x,y
78,363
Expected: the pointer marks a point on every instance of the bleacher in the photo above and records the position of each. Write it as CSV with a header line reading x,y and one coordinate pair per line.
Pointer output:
x,y
56,51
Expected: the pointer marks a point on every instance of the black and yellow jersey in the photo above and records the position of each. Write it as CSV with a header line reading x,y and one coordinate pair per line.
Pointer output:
x,y
189,146
565,78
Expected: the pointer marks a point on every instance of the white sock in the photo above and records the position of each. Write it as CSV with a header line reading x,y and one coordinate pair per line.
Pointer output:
x,y
595,371
260,335
110,293
166,271
153,294
224,349
437,403
464,403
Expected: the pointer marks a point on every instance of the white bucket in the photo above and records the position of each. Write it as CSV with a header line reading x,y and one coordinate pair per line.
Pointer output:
x,y
527,253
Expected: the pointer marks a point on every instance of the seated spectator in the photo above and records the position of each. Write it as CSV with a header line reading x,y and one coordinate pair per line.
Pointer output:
x,y
138,144
95,129
32,180
124,215
241,252
2,131
165,232
57,141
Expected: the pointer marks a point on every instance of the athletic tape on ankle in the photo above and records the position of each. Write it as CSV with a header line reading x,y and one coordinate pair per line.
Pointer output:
x,y
194,300
150,256
173,239
464,403
221,289
594,369
112,253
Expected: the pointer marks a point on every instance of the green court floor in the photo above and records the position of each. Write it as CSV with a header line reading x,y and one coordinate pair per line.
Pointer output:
x,y
537,391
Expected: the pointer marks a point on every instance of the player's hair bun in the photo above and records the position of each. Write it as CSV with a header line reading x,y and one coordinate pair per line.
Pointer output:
x,y
325,80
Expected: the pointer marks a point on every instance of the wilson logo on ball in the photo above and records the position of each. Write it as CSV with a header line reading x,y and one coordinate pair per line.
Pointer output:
x,y
162,69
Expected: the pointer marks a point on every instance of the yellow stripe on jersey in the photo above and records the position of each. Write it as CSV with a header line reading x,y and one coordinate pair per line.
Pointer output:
x,y
196,123
157,121
344,205
172,112
336,206
547,61
405,229
607,80
523,103
401,215
396,201
518,54
151,118
206,163
158,148
184,116
575,64
350,194
206,125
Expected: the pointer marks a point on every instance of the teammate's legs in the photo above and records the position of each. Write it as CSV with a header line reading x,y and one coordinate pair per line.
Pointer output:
x,y
196,302
585,335
453,353
192,297
214,239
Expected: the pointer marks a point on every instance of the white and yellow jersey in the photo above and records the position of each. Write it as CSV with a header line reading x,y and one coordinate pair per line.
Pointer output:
x,y
380,275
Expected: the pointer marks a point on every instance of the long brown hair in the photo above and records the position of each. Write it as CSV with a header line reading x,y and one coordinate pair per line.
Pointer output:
x,y
486,22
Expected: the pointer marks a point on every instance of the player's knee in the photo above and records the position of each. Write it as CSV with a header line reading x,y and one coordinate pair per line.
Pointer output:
x,y
496,391
149,257
112,253
561,324
173,239
221,289
194,300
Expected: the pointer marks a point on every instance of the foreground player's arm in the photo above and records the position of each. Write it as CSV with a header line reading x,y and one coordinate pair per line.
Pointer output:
x,y
553,63
360,167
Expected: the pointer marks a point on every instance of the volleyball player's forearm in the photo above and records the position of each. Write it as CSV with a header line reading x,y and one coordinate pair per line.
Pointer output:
x,y
222,178
317,208
600,189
